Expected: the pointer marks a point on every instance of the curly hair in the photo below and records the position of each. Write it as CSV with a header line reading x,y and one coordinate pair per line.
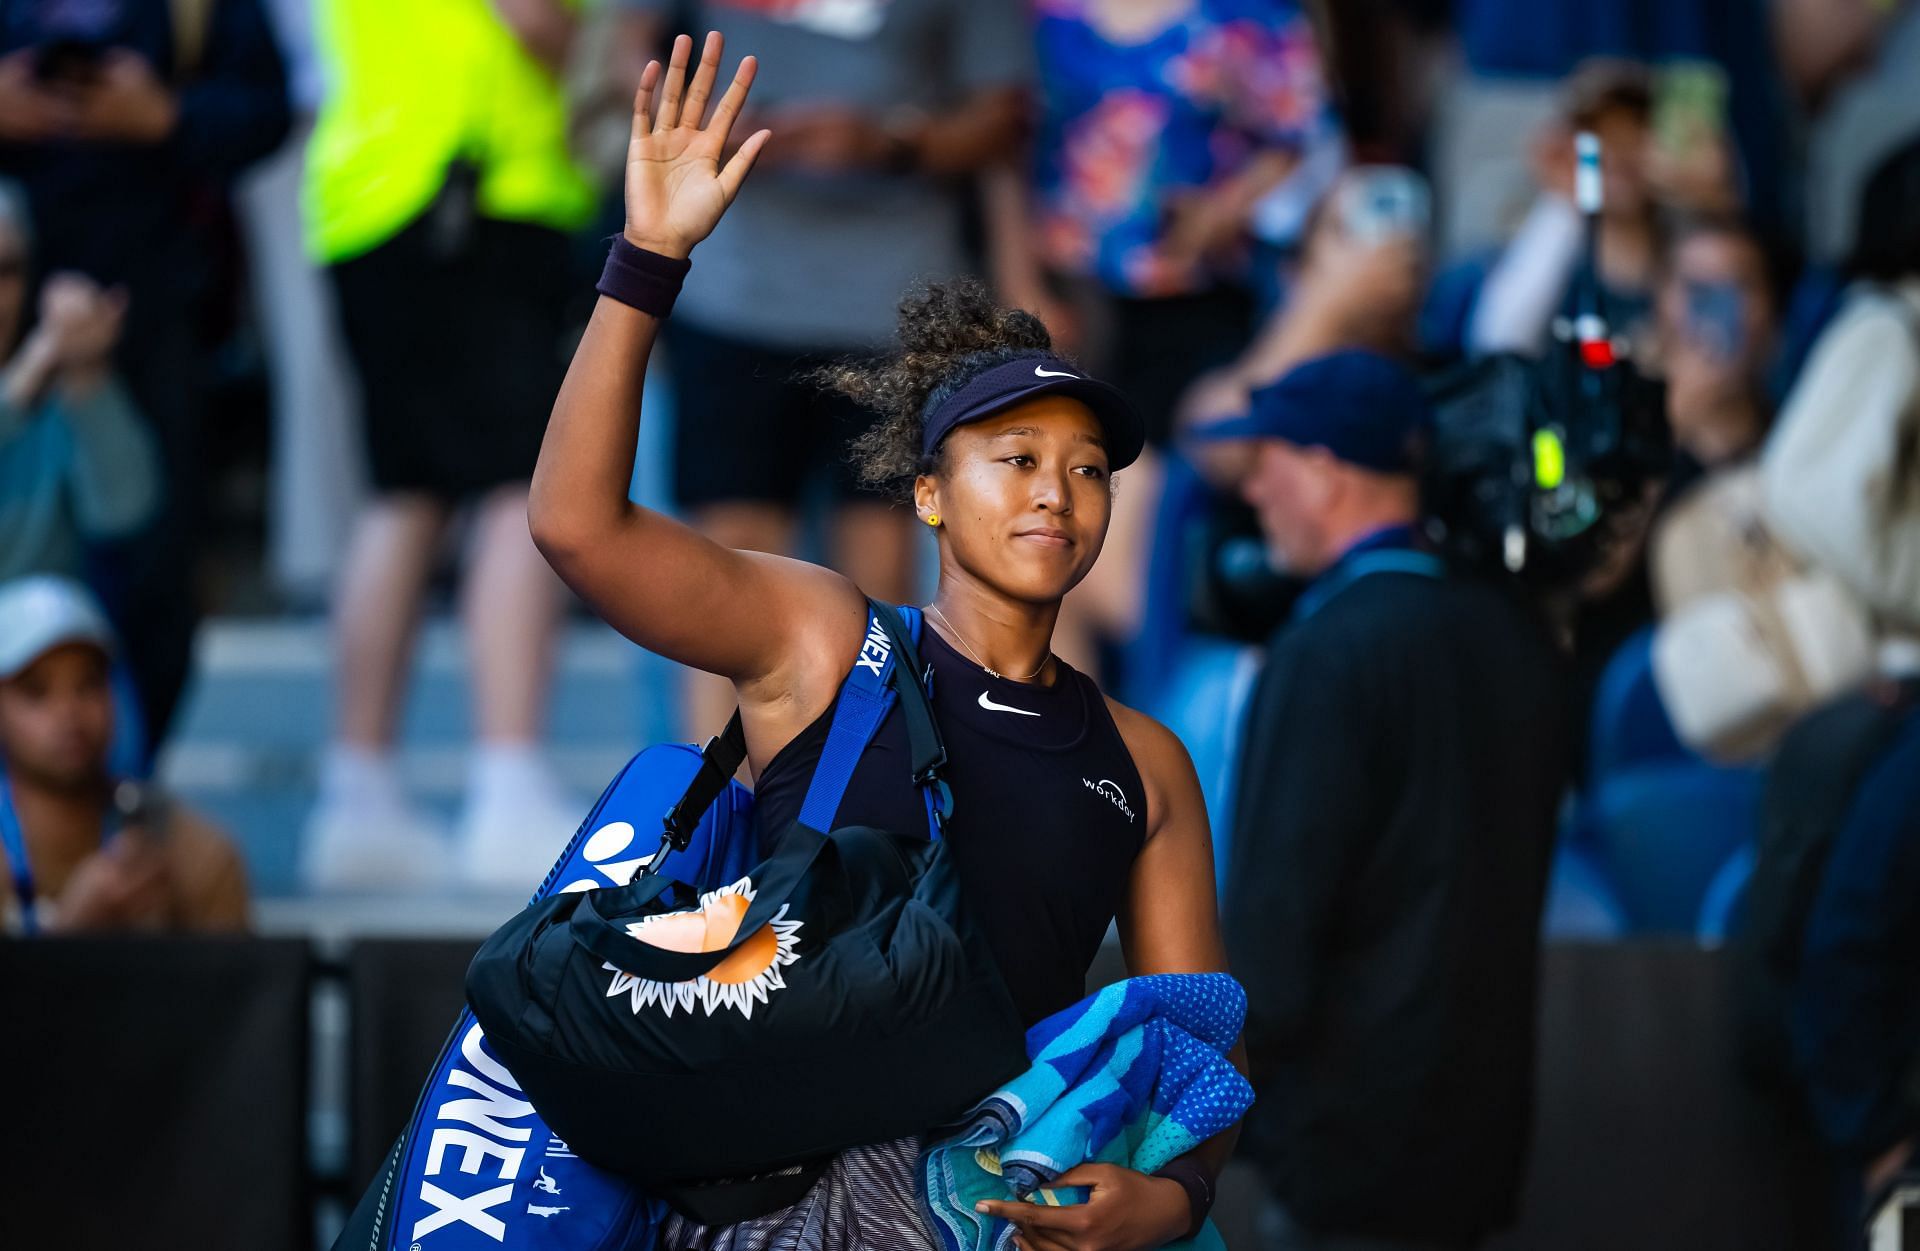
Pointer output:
x,y
949,332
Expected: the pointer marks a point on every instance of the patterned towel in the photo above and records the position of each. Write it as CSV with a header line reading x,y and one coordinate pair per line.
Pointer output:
x,y
1136,1075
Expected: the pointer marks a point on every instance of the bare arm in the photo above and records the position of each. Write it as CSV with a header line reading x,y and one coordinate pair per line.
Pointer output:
x,y
1013,257
978,132
1171,921
1169,924
743,616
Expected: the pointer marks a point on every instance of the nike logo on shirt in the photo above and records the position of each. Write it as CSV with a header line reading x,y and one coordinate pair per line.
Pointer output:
x,y
990,706
1051,373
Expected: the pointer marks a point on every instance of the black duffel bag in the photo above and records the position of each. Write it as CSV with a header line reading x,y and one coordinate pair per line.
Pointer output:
x,y
837,995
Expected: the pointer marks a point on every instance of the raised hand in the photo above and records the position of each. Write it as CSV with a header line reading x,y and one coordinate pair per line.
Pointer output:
x,y
81,320
677,188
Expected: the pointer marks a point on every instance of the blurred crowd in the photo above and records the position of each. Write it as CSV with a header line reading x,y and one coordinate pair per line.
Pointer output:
x,y
1612,311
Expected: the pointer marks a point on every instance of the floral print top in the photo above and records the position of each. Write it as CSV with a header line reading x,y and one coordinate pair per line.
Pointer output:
x,y
1127,128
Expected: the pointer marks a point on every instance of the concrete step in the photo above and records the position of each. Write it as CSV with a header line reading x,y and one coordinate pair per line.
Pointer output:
x,y
255,723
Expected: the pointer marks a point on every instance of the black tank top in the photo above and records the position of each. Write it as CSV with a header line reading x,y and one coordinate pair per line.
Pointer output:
x,y
1048,812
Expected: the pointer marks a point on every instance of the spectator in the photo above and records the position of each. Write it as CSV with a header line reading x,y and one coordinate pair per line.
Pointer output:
x,y
1718,324
1513,54
1841,475
1166,132
1732,674
75,861
1348,292
1851,63
439,192
877,107
76,464
117,118
1856,1021
1164,127
1406,752
316,471
1505,301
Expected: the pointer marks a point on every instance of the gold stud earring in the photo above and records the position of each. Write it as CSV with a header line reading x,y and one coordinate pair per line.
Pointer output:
x,y
933,519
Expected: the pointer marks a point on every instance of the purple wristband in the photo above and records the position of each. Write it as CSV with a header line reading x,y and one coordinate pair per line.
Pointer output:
x,y
641,279
1195,1180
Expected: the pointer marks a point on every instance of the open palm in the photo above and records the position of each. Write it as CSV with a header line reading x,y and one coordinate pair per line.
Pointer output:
x,y
677,187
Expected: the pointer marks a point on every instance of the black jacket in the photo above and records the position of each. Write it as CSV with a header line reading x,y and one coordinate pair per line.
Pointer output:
x,y
1856,1018
1406,753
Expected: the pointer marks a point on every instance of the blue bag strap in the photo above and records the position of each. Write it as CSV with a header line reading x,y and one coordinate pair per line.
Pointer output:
x,y
1351,570
15,841
866,697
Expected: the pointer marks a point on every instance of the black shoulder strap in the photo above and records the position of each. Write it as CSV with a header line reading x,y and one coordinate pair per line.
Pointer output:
x,y
911,678
720,759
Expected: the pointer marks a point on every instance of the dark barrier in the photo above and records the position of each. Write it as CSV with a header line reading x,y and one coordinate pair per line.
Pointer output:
x,y
156,1093
1645,1139
158,1098
1645,1136
403,995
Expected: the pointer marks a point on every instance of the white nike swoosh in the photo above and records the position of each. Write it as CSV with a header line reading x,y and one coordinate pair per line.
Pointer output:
x,y
1050,373
990,706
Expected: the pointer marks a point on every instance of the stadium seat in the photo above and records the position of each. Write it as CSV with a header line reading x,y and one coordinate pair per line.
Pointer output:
x,y
1581,904
1662,832
1630,726
1721,907
1203,699
1150,656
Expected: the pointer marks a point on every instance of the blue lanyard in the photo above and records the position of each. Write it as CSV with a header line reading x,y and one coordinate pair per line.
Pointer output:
x,y
16,844
1358,566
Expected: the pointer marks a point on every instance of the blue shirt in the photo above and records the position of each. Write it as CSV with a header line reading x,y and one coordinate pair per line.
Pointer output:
x,y
71,471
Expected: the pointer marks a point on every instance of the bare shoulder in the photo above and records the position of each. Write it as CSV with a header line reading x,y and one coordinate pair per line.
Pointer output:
x,y
1151,743
826,623
1166,768
823,615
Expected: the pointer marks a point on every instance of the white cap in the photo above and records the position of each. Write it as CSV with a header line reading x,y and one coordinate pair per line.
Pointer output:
x,y
43,611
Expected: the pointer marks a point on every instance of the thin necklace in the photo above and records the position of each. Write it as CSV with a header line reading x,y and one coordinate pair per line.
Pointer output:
x,y
935,610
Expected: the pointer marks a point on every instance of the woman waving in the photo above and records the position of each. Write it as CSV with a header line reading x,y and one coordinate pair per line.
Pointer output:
x,y
1071,810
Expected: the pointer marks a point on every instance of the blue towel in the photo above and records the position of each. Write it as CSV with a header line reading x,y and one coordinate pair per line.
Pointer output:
x,y
1135,1075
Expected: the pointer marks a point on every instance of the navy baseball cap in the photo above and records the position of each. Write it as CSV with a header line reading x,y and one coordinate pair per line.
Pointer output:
x,y
1364,408
1028,377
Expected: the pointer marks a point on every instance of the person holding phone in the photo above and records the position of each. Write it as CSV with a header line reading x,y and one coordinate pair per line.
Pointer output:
x,y
77,465
1071,810
119,119
82,851
1718,320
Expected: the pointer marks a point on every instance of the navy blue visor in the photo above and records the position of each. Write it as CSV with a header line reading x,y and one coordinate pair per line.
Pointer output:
x,y
1024,378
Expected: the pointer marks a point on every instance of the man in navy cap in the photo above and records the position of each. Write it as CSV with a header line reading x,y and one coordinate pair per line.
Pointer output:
x,y
1405,755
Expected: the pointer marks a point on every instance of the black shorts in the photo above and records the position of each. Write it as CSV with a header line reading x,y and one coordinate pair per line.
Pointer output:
x,y
460,349
750,427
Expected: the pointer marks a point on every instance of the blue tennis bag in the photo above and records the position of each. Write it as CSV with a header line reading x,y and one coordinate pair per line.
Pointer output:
x,y
477,1167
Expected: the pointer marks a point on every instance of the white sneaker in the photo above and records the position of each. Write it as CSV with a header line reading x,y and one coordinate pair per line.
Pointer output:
x,y
515,823
372,846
